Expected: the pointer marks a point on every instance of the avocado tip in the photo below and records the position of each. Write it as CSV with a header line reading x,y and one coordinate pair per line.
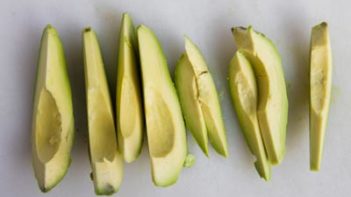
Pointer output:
x,y
49,29
44,189
88,29
239,28
186,38
324,23
49,26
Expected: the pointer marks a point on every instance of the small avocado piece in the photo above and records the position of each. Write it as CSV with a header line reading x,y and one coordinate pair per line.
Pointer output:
x,y
242,84
130,120
106,161
320,88
53,121
164,121
189,161
199,100
272,111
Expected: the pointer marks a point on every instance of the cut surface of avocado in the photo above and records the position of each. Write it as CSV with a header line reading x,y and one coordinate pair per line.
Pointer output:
x,y
53,121
164,122
320,88
199,100
130,124
242,84
106,161
272,111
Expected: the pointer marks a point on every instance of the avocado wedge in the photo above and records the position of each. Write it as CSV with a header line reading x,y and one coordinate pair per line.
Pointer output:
x,y
53,121
106,161
130,120
272,111
199,100
320,88
242,84
164,122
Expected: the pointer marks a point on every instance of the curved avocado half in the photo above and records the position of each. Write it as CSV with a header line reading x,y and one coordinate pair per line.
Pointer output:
x,y
272,111
53,121
199,100
242,84
130,119
320,88
164,122
106,161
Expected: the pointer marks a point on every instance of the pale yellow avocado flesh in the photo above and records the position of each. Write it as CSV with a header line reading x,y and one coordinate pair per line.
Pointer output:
x,y
242,84
164,122
199,100
53,121
320,88
106,161
272,109
130,124
188,97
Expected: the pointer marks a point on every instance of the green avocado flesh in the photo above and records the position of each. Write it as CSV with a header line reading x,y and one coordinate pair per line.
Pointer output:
x,y
242,84
164,122
53,121
106,161
272,110
199,100
320,88
130,124
189,161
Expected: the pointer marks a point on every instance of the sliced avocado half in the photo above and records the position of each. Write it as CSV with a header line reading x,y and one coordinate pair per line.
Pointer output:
x,y
199,100
106,161
320,90
272,111
53,121
164,122
242,84
130,119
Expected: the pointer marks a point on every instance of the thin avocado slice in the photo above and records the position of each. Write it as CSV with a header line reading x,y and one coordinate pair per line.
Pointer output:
x,y
188,96
53,121
272,109
130,124
242,84
320,88
199,100
106,161
164,122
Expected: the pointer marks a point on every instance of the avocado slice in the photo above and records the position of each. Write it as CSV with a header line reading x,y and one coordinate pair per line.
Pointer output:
x,y
106,161
243,89
272,111
130,120
320,88
53,121
164,122
199,100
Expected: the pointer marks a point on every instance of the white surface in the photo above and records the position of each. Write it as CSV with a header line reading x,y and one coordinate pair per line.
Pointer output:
x,y
208,23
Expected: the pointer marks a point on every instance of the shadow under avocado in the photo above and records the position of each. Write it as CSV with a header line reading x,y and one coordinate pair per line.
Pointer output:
x,y
298,83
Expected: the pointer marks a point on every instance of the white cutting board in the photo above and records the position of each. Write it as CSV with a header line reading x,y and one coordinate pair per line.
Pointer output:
x,y
208,23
